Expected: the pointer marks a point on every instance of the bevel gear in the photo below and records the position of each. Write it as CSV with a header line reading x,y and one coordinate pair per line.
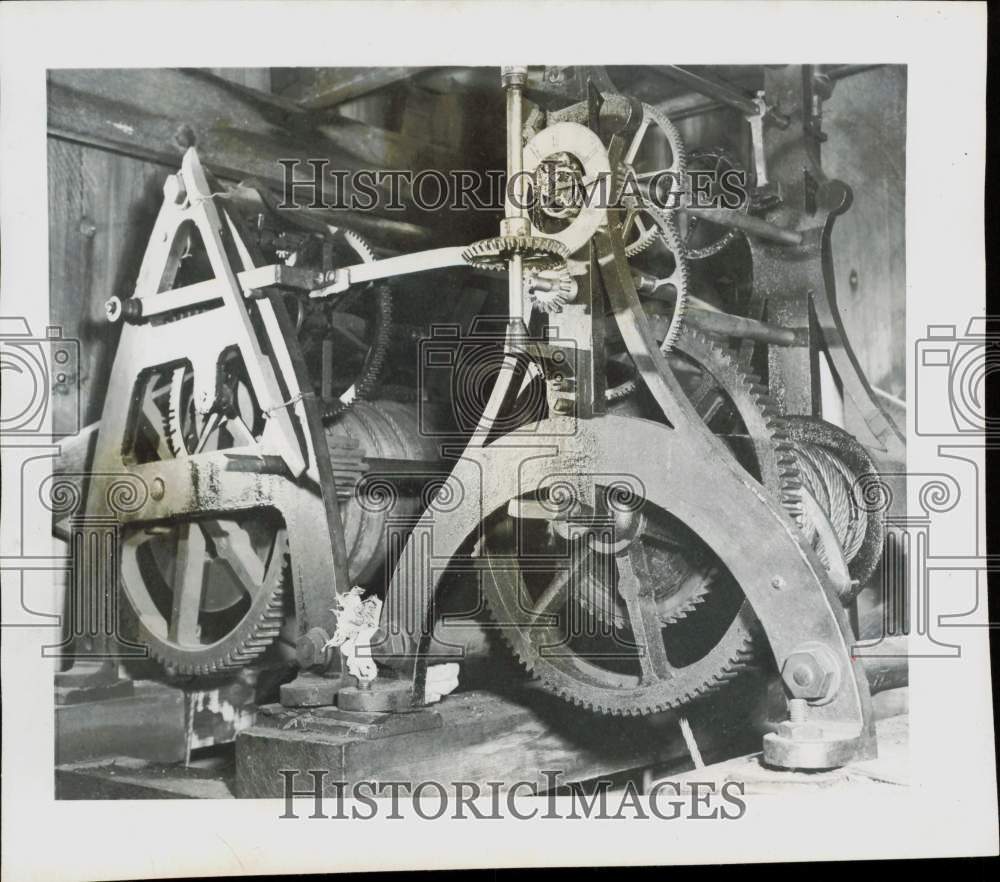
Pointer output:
x,y
538,252
550,290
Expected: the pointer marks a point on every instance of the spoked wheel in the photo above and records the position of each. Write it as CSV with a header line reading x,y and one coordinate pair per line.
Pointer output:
x,y
596,605
621,607
206,593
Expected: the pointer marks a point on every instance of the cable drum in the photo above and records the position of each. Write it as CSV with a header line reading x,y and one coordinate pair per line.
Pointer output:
x,y
832,463
387,430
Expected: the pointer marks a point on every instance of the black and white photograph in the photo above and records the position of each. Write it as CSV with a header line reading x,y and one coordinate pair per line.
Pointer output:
x,y
393,437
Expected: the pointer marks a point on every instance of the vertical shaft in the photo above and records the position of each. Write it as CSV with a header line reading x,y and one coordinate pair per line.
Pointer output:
x,y
515,220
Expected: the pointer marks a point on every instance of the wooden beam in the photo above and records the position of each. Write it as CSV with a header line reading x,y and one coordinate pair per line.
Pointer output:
x,y
318,88
239,135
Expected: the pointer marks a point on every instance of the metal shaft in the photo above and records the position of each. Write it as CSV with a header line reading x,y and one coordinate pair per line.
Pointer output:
x,y
752,226
516,221
721,92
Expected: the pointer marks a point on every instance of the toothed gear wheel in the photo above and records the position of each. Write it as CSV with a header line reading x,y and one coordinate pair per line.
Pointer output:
x,y
647,234
676,277
367,381
550,290
737,407
717,158
206,594
175,416
539,253
648,222
221,612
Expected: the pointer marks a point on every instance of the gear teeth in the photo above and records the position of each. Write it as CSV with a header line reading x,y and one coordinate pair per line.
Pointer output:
x,y
260,635
492,254
781,475
371,372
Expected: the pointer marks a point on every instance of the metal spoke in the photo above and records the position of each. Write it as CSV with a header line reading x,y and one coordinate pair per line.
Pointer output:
x,y
188,588
240,431
557,587
650,175
235,550
209,426
633,148
710,412
640,605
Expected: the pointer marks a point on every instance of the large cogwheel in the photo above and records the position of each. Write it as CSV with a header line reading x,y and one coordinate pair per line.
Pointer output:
x,y
205,594
573,630
654,158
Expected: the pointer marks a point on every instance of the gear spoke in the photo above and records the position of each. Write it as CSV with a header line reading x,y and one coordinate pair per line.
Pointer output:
x,y
188,585
635,588
234,549
565,583
633,148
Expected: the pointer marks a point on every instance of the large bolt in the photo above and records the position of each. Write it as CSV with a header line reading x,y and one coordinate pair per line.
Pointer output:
x,y
798,727
311,651
811,673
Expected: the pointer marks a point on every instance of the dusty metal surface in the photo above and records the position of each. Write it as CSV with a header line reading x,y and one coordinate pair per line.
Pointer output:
x,y
705,552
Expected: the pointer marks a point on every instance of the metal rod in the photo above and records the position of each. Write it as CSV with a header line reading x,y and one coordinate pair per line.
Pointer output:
x,y
752,226
839,71
720,323
513,80
720,91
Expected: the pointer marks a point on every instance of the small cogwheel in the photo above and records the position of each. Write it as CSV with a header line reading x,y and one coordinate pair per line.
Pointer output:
x,y
539,253
550,290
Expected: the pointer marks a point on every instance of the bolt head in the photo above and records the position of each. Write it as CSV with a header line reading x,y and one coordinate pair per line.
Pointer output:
x,y
310,650
812,673
802,675
157,489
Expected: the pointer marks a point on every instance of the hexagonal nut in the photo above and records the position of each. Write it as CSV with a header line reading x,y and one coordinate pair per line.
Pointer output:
x,y
310,650
800,731
811,672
